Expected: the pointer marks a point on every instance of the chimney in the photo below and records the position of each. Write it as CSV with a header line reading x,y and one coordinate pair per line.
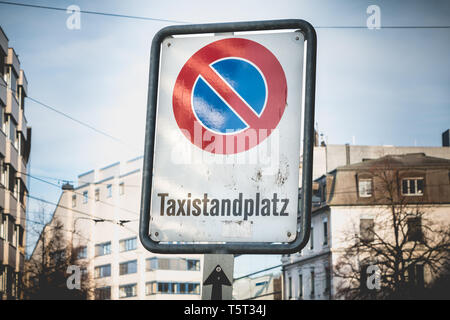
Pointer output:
x,y
67,186
446,138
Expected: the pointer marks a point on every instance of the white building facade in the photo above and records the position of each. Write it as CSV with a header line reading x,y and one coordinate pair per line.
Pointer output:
x,y
102,218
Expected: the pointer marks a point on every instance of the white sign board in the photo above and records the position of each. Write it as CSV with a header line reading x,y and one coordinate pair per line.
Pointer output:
x,y
227,140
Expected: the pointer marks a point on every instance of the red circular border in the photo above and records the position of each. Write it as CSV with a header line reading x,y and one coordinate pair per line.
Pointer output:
x,y
276,94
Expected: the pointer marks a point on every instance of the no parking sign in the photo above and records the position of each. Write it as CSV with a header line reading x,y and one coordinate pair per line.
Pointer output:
x,y
226,115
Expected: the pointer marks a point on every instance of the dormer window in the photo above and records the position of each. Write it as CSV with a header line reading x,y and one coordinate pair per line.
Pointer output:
x,y
365,188
412,186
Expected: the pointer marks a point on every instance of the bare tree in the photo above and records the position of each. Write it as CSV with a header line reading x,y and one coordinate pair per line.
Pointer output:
x,y
48,271
403,242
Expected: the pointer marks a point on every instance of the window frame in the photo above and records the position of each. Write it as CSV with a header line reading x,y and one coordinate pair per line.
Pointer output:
x,y
109,191
300,285
101,291
365,194
125,241
416,186
414,233
370,221
325,232
124,286
102,267
103,244
85,197
127,264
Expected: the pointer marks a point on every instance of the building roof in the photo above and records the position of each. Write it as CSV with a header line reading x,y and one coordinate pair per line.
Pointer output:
x,y
411,160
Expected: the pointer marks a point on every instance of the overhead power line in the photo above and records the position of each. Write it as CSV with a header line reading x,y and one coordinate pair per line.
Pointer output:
x,y
383,27
75,120
118,15
115,15
78,193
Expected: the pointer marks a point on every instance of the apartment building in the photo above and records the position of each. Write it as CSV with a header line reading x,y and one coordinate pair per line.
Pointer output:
x,y
344,203
15,143
101,218
264,287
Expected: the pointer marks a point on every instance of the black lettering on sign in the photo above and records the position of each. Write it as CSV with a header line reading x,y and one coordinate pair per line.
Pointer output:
x,y
239,207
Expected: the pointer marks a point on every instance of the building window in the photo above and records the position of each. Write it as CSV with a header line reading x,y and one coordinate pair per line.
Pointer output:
x,y
122,188
85,197
10,229
313,283
366,230
311,239
289,288
193,265
3,224
416,275
97,194
2,171
12,132
109,190
172,288
414,232
300,286
74,201
412,186
128,267
325,232
103,293
180,264
189,288
327,280
103,249
127,291
128,244
102,271
365,188
13,81
4,124
82,252
363,278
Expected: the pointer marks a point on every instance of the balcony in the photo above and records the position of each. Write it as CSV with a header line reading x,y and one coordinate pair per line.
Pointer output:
x,y
21,215
2,251
10,204
23,82
13,60
12,155
22,124
3,89
2,143
3,191
12,256
3,42
12,105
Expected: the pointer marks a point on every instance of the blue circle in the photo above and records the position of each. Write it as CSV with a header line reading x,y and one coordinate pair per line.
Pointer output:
x,y
213,112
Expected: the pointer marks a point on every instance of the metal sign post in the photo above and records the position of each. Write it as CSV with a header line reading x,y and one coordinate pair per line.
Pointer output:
x,y
217,277
226,114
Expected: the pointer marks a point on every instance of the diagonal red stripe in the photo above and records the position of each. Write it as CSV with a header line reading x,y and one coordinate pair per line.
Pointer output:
x,y
233,100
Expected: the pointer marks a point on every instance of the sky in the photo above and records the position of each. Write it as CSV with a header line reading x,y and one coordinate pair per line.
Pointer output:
x,y
374,87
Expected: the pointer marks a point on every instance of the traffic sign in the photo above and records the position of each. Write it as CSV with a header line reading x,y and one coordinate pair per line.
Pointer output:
x,y
229,87
224,135
217,281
